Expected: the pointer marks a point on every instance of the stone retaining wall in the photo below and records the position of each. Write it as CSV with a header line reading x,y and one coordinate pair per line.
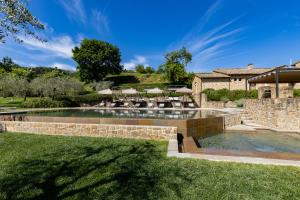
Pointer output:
x,y
232,120
95,130
275,113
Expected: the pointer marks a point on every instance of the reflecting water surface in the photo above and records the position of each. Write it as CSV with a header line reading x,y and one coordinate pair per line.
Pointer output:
x,y
129,113
262,141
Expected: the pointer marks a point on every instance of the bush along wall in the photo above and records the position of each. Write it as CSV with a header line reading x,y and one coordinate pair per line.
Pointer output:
x,y
229,95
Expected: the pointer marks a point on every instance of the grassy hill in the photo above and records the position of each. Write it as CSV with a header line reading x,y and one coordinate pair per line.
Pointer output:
x,y
138,81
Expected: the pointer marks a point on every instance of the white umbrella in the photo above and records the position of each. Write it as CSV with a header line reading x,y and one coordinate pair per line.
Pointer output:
x,y
107,91
154,91
184,90
129,91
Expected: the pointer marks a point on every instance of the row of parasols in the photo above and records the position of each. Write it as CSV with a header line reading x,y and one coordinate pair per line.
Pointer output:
x,y
132,91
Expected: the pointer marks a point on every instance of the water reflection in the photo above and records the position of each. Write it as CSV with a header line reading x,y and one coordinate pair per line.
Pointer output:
x,y
130,113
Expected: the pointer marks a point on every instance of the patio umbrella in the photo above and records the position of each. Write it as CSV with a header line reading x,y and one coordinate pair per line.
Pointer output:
x,y
184,90
154,91
107,92
129,91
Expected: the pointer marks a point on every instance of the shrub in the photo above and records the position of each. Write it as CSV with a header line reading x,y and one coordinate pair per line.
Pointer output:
x,y
296,93
122,79
101,85
240,103
227,95
87,98
45,103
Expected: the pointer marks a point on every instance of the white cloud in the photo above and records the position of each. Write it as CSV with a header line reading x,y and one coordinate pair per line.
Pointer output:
x,y
133,62
74,10
208,44
100,22
57,46
63,66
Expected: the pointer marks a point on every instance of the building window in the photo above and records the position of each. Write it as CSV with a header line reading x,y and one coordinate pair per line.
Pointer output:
x,y
240,79
234,79
267,94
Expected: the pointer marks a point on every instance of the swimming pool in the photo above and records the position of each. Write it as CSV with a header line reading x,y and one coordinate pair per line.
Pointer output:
x,y
260,142
128,113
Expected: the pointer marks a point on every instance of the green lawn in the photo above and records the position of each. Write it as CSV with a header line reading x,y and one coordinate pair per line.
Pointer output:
x,y
11,102
48,167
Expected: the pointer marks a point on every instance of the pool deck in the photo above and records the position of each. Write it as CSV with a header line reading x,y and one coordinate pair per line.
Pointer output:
x,y
258,127
173,152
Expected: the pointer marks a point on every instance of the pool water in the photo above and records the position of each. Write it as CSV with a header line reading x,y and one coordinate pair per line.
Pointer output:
x,y
262,141
128,113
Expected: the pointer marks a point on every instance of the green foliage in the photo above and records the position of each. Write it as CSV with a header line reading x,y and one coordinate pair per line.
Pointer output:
x,y
149,70
174,66
44,103
14,86
101,85
87,98
240,103
296,93
160,69
16,19
6,63
59,167
229,95
54,87
96,59
144,70
122,79
140,69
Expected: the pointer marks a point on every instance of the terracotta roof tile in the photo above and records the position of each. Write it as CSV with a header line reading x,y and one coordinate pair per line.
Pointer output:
x,y
212,75
241,71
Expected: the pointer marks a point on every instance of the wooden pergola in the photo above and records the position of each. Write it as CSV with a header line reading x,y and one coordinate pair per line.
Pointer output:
x,y
282,74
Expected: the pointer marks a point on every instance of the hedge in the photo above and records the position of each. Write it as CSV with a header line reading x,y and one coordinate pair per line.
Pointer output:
x,y
229,95
45,103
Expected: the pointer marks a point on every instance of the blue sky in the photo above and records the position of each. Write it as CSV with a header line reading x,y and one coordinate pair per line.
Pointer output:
x,y
221,33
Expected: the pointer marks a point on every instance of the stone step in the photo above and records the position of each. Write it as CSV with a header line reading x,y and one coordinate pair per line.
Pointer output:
x,y
247,121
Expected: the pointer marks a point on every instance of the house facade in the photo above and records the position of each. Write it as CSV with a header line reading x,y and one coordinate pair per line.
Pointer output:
x,y
228,78
233,79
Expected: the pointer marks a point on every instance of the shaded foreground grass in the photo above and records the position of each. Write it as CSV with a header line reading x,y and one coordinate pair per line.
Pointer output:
x,y
50,167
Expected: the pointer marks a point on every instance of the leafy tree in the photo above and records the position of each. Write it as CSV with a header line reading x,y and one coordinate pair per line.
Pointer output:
x,y
160,69
20,88
175,64
96,59
140,69
7,64
5,86
17,19
149,70
57,86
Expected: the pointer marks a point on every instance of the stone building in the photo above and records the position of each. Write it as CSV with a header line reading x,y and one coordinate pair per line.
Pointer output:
x,y
238,79
228,78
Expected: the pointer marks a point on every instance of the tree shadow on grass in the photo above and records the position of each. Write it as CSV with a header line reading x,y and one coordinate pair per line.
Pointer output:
x,y
132,171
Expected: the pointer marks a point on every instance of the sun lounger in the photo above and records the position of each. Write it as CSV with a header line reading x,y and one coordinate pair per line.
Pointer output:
x,y
137,105
161,105
176,98
150,105
126,104
177,105
102,104
112,105
191,105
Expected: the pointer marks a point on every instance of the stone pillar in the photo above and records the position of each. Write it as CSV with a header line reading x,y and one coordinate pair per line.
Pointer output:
x,y
203,100
197,99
